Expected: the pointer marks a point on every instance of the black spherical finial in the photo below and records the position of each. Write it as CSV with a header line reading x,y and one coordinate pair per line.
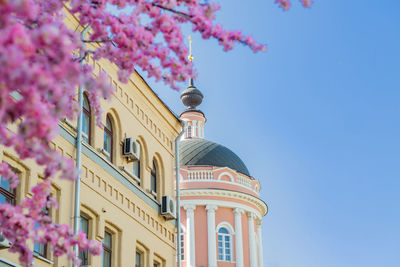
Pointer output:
x,y
191,97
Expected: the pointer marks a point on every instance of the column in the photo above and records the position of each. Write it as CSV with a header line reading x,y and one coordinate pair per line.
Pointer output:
x,y
212,245
260,248
238,237
194,129
190,236
252,241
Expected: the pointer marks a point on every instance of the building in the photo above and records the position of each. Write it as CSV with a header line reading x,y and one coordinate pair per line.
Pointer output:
x,y
220,204
120,200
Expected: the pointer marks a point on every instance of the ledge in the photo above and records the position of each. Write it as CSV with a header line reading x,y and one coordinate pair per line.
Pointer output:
x,y
42,258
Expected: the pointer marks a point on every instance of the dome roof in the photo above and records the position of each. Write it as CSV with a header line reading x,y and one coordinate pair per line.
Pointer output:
x,y
202,152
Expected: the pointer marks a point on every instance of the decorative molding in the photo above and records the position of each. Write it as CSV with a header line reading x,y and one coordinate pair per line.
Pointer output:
x,y
226,225
227,174
189,207
232,194
211,208
250,215
238,211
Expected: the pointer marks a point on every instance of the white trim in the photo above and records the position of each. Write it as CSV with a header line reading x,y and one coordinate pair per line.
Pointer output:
x,y
252,241
228,174
230,235
212,242
224,193
226,204
190,236
260,246
226,225
219,181
238,237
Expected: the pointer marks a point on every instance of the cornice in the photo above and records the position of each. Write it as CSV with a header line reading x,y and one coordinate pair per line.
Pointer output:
x,y
227,193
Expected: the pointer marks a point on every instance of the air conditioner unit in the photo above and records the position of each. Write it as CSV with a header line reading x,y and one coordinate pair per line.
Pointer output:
x,y
131,149
168,207
4,243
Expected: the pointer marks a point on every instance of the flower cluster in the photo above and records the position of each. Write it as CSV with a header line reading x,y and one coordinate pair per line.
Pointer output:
x,y
285,4
40,75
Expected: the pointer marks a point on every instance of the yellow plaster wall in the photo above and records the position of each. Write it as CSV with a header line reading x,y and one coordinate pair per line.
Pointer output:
x,y
136,112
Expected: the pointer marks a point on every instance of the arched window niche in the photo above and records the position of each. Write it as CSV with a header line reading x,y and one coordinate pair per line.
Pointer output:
x,y
86,120
225,242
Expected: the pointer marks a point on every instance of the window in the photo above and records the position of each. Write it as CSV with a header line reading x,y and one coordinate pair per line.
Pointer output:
x,y
182,240
7,194
83,254
108,138
139,259
107,249
153,179
86,129
189,132
224,245
39,248
156,264
136,165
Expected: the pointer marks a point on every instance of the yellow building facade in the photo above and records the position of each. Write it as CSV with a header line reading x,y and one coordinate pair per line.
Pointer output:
x,y
120,200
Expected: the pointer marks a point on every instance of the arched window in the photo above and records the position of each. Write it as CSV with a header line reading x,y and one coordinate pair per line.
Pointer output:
x,y
108,139
153,179
189,132
86,129
224,245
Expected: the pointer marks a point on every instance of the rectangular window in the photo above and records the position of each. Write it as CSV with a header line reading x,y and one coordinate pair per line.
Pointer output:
x,y
7,194
136,169
153,179
39,248
182,246
83,254
139,259
107,249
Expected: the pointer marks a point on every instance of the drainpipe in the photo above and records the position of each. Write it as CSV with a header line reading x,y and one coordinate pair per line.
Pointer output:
x,y
178,195
77,210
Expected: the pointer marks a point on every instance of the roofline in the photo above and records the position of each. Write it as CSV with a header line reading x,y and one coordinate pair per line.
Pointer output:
x,y
155,94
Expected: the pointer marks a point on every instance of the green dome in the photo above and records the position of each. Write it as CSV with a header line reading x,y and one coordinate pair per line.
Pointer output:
x,y
200,152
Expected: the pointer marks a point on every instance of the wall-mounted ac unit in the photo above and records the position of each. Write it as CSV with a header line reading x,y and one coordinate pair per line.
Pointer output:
x,y
4,243
168,207
131,149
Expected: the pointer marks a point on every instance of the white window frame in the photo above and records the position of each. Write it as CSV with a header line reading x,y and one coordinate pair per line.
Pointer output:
x,y
230,234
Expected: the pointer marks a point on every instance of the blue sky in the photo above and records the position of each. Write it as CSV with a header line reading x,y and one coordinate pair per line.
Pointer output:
x,y
316,119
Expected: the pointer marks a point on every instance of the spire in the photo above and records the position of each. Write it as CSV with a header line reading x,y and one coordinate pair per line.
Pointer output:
x,y
190,56
192,97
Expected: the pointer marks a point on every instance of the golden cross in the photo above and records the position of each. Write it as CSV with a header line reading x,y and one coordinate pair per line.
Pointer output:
x,y
190,57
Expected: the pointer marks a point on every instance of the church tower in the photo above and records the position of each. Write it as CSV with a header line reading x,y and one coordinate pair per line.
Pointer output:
x,y
221,210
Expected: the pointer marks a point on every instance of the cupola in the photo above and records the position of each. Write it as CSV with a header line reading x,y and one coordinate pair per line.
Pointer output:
x,y
192,97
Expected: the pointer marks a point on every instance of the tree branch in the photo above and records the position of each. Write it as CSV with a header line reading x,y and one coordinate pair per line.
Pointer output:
x,y
186,16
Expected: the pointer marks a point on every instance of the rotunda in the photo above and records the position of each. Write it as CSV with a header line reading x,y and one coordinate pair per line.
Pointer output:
x,y
221,210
